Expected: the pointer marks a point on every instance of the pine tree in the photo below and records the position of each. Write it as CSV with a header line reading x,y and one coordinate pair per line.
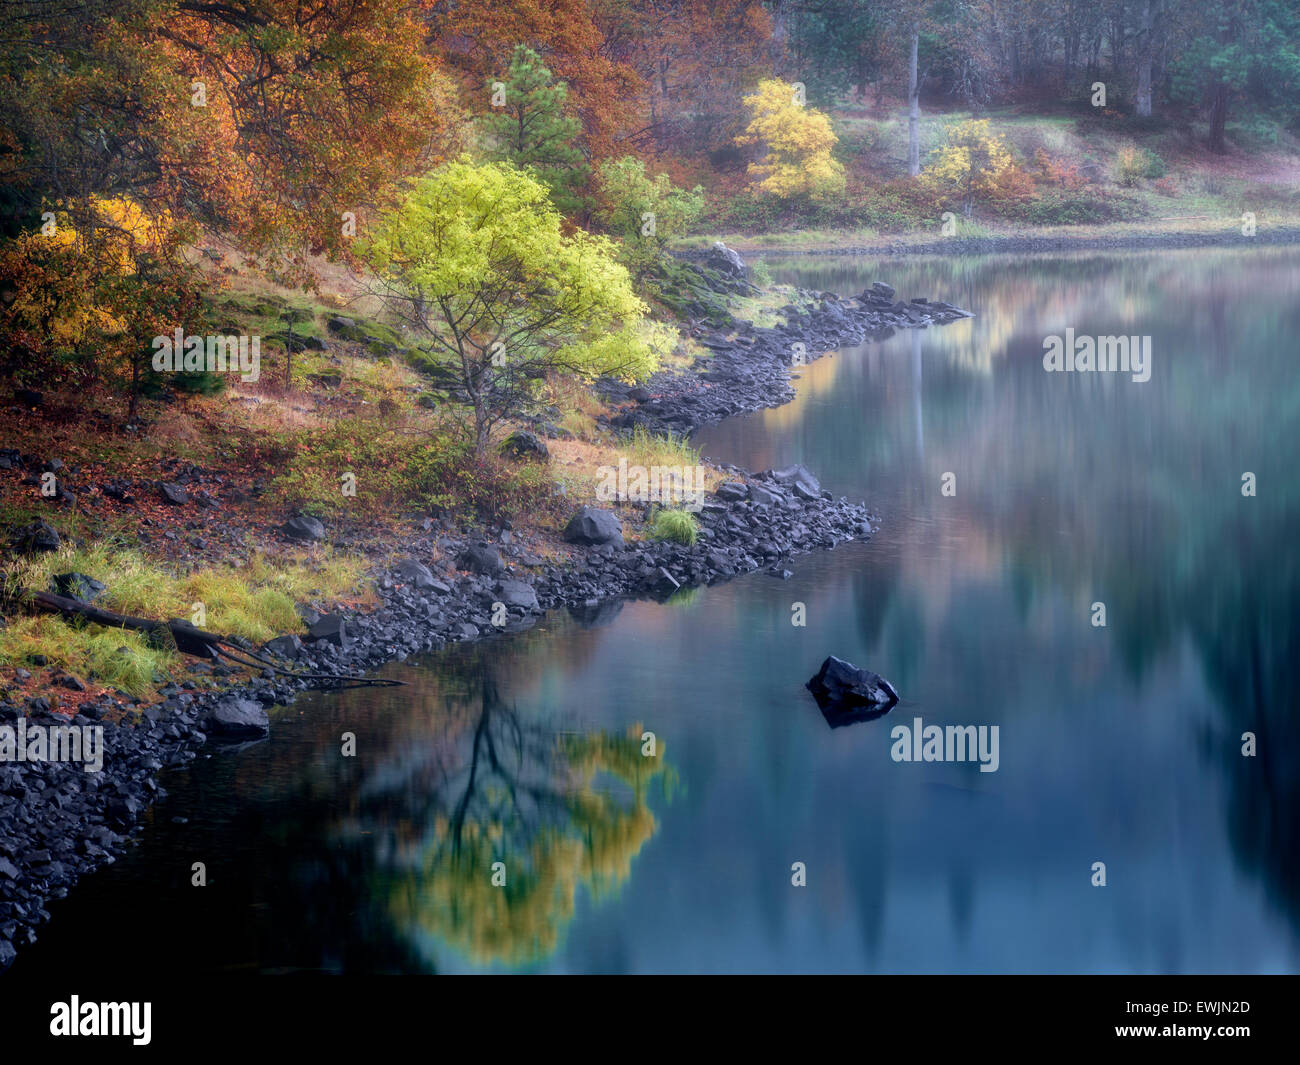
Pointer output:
x,y
530,127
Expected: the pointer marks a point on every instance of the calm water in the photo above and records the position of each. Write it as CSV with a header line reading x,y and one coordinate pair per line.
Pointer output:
x,y
1118,744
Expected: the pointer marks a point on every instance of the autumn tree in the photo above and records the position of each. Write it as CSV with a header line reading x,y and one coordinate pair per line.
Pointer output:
x,y
973,163
645,213
529,126
83,307
695,60
796,140
476,260
266,120
478,38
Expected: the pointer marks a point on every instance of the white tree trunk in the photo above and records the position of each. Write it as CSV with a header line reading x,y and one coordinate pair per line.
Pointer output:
x,y
1144,63
913,107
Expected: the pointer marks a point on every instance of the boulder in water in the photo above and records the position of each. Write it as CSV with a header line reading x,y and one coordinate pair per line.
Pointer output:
x,y
847,694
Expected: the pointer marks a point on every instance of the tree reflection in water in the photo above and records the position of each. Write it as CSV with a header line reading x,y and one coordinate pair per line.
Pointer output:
x,y
559,811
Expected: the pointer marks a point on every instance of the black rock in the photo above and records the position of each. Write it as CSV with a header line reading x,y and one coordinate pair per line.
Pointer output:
x,y
285,646
77,586
593,526
238,719
663,582
518,594
798,478
38,536
732,491
725,261
303,527
847,694
522,443
332,628
173,494
417,575
481,558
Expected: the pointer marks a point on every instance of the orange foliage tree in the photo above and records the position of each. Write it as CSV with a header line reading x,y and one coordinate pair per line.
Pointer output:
x,y
478,38
266,119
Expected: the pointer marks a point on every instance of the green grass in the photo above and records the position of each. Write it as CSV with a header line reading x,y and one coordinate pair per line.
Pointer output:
x,y
649,449
679,526
255,600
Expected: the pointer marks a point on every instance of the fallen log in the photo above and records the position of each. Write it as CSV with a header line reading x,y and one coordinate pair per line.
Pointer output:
x,y
187,638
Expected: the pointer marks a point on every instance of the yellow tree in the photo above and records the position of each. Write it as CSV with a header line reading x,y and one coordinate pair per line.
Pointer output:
x,y
973,163
798,141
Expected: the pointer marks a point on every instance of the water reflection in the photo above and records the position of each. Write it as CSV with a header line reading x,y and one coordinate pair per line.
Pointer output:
x,y
488,830
1120,744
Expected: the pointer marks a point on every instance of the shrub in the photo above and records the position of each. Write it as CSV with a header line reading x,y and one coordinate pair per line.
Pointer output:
x,y
1133,163
1082,207
679,526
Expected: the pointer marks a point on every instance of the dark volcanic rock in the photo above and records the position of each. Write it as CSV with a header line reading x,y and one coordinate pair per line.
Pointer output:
x,y
332,628
173,494
523,443
798,478
517,594
38,536
481,558
77,586
303,527
285,646
417,575
725,261
239,719
847,694
591,525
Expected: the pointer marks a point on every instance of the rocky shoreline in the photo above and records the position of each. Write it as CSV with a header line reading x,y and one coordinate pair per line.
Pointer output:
x,y
751,367
58,822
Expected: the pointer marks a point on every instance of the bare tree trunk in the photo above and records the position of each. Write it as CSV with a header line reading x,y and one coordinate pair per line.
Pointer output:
x,y
913,106
1144,63
1219,118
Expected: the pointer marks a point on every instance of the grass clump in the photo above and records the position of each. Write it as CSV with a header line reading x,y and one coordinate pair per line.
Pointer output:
x,y
645,448
116,658
678,526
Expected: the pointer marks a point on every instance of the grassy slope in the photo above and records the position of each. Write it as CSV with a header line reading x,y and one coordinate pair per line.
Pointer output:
x,y
274,433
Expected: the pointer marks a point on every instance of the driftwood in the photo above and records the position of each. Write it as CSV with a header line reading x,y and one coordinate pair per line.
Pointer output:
x,y
187,638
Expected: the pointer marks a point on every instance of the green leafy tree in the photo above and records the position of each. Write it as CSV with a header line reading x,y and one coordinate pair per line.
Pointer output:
x,y
532,128
645,213
476,260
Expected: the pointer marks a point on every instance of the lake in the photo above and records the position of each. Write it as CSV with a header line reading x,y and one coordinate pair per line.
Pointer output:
x,y
1119,744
